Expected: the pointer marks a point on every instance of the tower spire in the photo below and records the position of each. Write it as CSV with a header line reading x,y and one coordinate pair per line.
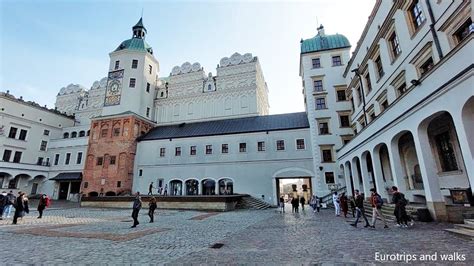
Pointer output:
x,y
139,30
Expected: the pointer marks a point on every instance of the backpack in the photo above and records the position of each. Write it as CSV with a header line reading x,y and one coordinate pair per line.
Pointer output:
x,y
378,201
48,201
403,200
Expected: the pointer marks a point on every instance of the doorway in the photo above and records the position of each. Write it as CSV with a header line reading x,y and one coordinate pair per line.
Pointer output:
x,y
290,187
63,190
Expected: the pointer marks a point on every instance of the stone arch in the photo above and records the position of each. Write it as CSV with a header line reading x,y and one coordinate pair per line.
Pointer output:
x,y
93,194
381,150
82,133
292,172
110,193
226,186
348,172
66,135
405,144
74,134
192,186
176,187
356,169
467,117
208,186
368,169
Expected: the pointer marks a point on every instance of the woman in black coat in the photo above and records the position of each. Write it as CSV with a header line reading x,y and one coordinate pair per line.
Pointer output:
x,y
20,207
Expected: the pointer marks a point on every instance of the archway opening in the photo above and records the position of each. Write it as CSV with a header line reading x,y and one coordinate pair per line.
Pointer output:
x,y
208,187
110,193
192,187
226,186
409,161
176,187
93,194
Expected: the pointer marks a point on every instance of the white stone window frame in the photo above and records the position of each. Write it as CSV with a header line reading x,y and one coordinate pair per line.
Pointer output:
x,y
66,159
326,120
391,31
304,144
409,19
325,102
421,57
336,55
327,147
371,111
77,157
162,152
276,145
344,113
264,149
455,21
338,88
320,62
398,81
318,78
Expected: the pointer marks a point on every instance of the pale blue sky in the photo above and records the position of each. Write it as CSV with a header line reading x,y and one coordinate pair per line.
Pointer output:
x,y
46,45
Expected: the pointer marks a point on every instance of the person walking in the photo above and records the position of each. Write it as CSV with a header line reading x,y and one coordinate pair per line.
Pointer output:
x,y
150,189
344,204
295,203
42,204
3,201
400,211
302,201
166,190
137,205
282,204
352,204
336,202
21,207
377,203
9,201
318,203
151,209
312,202
360,210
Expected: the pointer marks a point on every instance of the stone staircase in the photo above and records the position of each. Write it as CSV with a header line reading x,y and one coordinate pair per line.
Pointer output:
x,y
388,209
249,202
465,230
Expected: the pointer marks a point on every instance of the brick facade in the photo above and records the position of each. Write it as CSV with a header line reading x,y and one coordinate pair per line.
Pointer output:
x,y
110,155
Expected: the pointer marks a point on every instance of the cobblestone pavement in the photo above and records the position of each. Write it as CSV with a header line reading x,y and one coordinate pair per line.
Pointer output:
x,y
90,235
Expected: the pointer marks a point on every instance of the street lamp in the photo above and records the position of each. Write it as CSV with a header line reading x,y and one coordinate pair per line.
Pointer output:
x,y
357,72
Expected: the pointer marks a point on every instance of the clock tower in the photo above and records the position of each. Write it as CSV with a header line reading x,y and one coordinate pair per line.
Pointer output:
x,y
127,114
132,77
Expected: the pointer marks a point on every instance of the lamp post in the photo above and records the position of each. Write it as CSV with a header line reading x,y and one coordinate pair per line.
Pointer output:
x,y
357,73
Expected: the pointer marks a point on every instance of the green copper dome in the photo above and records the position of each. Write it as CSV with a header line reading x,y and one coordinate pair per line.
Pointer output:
x,y
136,44
323,42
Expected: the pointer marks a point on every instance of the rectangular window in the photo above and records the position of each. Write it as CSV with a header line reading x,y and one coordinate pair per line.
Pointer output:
x,y
119,183
446,153
384,105
417,14
162,152
344,121
104,133
359,96
148,112
17,157
68,158
379,67
117,64
140,172
46,132
318,85
225,148
116,132
40,161
147,87
113,160
368,82
177,151
320,103
300,144
79,158
56,159
43,146
86,184
427,66
323,128
12,133
208,149
329,177
280,145
22,134
134,63
395,45
341,95
316,62
192,150
150,69
132,82
402,89
242,147
336,61
464,31
6,155
261,146
100,160
327,155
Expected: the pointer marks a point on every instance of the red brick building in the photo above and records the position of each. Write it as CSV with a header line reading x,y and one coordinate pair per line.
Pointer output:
x,y
110,155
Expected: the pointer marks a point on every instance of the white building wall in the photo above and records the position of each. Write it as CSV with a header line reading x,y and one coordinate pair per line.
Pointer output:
x,y
253,172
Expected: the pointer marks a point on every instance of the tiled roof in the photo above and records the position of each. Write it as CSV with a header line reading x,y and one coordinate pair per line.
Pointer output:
x,y
229,126
136,44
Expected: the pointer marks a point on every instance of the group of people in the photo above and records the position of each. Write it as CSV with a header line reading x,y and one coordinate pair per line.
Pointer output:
x,y
314,202
137,205
159,190
376,202
20,203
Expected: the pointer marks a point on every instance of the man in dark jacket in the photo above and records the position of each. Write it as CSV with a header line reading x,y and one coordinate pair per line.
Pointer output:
x,y
360,210
137,205
20,207
3,200
400,211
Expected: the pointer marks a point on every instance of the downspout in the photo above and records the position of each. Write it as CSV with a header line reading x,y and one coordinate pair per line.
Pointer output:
x,y
433,31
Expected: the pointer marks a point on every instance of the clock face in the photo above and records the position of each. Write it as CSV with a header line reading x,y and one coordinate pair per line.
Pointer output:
x,y
114,87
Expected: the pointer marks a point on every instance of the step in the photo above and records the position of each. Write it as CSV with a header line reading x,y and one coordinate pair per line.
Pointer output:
x,y
469,221
466,234
464,226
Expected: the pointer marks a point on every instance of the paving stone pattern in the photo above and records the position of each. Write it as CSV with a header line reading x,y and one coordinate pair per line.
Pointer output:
x,y
264,237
